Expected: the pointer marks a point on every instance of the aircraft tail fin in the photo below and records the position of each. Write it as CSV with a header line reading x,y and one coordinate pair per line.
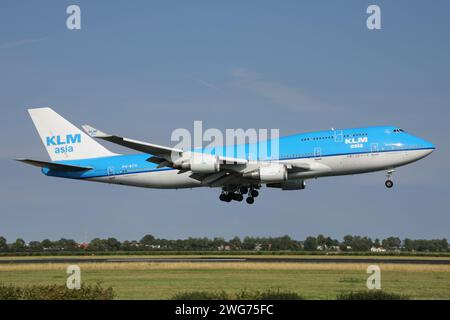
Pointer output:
x,y
62,139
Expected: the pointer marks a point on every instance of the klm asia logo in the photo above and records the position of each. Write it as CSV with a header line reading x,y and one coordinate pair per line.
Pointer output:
x,y
63,144
359,140
356,143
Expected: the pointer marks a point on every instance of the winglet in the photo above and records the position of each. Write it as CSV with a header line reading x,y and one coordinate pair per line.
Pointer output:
x,y
94,133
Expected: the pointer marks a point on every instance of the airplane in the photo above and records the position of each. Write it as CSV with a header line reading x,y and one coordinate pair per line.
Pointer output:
x,y
77,155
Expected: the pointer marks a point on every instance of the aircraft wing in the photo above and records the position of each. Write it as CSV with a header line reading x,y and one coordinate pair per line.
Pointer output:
x,y
145,147
163,156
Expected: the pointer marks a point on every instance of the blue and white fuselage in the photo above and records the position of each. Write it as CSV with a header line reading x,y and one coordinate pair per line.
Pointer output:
x,y
300,157
357,151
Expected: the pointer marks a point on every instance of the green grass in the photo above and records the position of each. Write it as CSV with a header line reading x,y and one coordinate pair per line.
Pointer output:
x,y
134,283
371,295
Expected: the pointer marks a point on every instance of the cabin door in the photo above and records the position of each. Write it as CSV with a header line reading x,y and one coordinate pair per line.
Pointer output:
x,y
317,153
374,147
111,173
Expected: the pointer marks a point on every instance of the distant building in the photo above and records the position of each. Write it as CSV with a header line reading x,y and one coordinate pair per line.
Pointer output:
x,y
83,245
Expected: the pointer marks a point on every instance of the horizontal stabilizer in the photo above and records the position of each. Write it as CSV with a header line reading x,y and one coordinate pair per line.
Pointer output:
x,y
54,165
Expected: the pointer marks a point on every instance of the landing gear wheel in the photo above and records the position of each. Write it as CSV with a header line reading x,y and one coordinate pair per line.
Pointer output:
x,y
250,200
227,197
238,197
254,193
243,190
389,184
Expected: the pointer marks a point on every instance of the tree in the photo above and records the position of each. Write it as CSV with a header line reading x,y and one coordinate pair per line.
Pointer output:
x,y
331,243
35,246
321,240
18,245
112,244
348,240
147,240
66,244
46,244
236,243
249,243
3,244
444,245
129,245
310,244
359,243
97,244
392,243
377,243
218,242
408,244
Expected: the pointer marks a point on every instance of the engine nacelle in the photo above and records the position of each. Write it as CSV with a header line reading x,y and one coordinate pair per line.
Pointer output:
x,y
272,173
201,163
297,184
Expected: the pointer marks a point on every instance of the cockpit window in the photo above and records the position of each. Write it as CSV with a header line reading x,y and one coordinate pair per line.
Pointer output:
x,y
399,130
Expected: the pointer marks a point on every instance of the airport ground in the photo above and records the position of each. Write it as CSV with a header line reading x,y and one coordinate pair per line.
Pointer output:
x,y
137,278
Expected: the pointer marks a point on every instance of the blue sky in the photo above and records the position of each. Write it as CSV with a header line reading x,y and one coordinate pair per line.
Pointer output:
x,y
145,68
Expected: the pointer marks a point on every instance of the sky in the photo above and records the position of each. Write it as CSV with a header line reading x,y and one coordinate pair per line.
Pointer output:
x,y
145,68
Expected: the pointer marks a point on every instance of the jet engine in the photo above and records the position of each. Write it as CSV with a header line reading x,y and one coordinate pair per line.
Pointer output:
x,y
297,184
272,173
199,163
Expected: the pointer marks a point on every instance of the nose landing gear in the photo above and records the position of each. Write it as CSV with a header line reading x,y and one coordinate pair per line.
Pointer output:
x,y
389,183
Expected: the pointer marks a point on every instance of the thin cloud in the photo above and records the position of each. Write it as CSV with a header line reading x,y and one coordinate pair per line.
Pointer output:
x,y
282,95
18,43
207,84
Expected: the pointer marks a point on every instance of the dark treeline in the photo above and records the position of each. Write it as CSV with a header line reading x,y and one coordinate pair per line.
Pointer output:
x,y
285,243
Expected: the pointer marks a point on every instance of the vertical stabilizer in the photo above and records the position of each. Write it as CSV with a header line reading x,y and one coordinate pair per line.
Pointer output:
x,y
62,139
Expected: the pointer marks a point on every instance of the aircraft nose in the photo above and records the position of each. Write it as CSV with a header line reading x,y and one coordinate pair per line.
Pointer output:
x,y
429,145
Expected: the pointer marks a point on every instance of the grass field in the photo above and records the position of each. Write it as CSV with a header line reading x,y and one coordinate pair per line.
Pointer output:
x,y
312,280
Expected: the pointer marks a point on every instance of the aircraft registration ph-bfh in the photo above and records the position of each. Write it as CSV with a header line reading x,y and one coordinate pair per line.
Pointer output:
x,y
77,155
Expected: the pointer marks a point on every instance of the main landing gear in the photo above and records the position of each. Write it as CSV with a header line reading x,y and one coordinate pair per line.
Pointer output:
x,y
237,194
389,183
